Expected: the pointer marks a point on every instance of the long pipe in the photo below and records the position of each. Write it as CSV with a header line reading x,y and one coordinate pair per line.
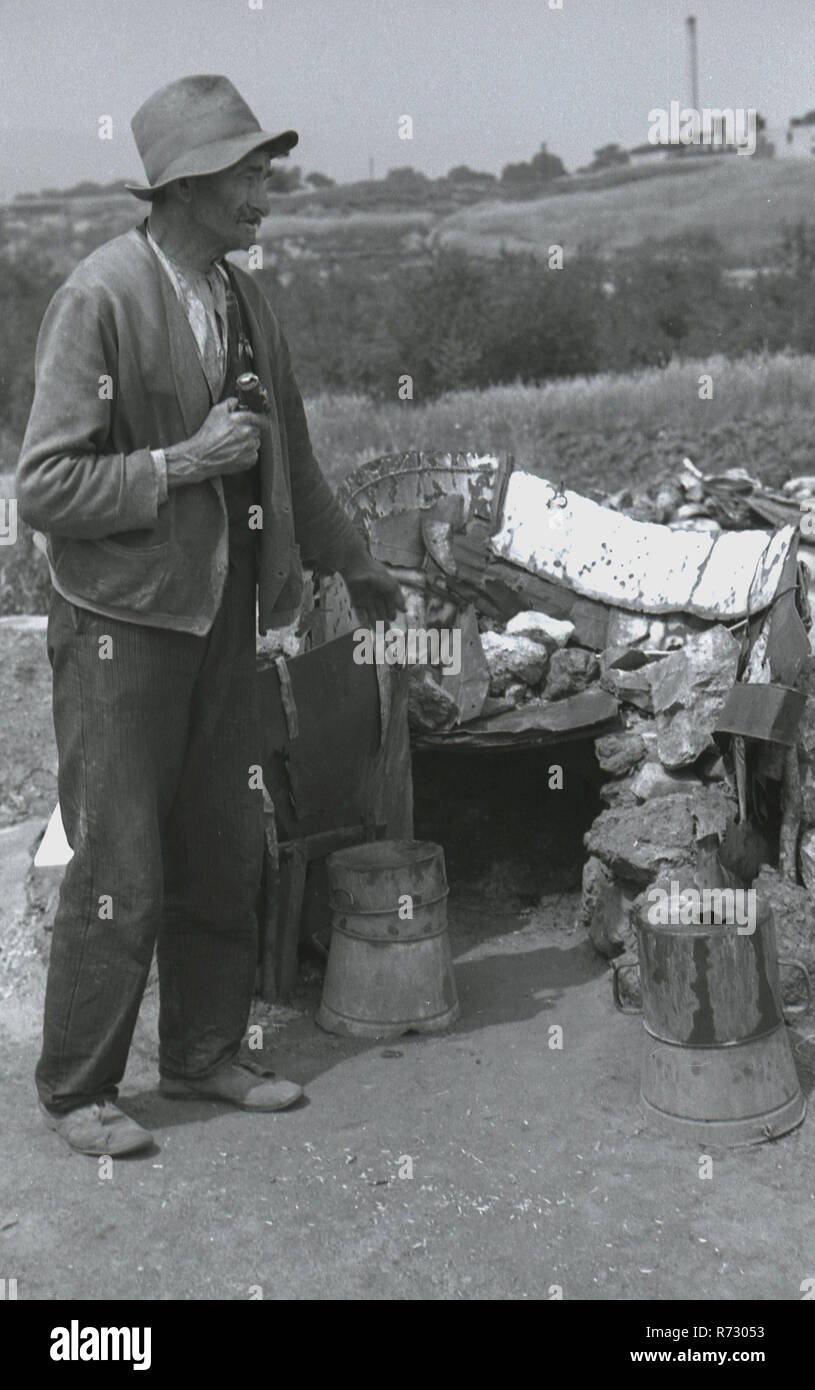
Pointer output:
x,y
694,61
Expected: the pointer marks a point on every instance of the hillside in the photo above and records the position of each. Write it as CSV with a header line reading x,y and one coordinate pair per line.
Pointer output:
x,y
743,202
64,231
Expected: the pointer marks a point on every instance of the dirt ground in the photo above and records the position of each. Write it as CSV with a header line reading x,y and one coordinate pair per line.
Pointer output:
x,y
481,1163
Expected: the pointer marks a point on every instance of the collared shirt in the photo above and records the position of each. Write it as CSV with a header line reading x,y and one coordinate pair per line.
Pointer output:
x,y
202,295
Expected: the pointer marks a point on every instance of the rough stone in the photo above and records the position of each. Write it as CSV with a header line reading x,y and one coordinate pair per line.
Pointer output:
x,y
648,733
706,665
692,485
539,627
431,709
801,486
654,780
626,629
620,753
604,910
689,688
590,623
570,671
669,497
712,809
619,792
624,672
681,738
504,581
516,693
511,659
639,842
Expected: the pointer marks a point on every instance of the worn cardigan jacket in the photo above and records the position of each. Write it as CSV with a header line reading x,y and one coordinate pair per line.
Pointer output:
x,y
118,374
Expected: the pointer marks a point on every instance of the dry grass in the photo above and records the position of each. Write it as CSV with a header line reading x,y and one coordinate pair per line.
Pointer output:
x,y
597,434
348,429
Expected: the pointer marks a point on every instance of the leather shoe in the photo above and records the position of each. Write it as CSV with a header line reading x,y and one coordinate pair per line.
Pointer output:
x,y
99,1128
249,1086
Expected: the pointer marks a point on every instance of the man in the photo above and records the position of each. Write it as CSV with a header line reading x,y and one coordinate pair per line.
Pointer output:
x,y
168,513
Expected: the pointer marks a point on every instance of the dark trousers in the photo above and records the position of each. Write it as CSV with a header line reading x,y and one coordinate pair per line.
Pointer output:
x,y
157,737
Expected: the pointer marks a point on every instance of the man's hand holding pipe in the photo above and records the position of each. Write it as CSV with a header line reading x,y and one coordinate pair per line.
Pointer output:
x,y
227,442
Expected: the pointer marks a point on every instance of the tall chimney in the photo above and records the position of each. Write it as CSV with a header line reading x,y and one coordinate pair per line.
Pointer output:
x,y
694,61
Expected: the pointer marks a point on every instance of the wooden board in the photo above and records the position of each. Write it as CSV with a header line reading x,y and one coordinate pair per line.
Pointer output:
x,y
586,715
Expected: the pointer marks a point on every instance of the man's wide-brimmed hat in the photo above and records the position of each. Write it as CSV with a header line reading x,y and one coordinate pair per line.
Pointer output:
x,y
195,126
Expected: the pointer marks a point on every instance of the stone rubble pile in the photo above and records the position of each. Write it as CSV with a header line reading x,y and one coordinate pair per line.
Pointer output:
x,y
733,500
532,660
559,599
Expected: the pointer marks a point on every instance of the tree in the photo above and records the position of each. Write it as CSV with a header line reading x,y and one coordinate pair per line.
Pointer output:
x,y
462,173
546,165
797,248
318,180
282,180
541,169
607,157
406,177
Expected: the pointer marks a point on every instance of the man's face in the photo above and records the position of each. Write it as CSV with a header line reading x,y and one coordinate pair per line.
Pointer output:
x,y
229,206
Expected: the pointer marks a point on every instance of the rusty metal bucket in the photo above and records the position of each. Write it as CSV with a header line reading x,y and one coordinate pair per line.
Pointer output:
x,y
717,1063
389,970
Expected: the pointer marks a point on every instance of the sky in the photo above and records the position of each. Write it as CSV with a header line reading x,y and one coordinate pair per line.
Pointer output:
x,y
485,82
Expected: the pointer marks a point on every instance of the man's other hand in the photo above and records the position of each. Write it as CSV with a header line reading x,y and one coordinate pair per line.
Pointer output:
x,y
227,442
374,592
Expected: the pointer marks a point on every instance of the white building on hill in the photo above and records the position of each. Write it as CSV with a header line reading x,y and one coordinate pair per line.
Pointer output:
x,y
795,140
652,154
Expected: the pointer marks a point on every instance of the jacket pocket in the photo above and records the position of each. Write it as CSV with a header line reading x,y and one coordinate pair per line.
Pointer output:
x,y
119,549
113,575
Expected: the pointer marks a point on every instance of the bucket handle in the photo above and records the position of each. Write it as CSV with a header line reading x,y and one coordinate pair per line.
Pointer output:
x,y
790,1010
617,966
793,1010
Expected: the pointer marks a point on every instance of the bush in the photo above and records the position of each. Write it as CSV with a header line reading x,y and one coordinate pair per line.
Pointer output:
x,y
358,316
663,299
25,290
335,321
466,323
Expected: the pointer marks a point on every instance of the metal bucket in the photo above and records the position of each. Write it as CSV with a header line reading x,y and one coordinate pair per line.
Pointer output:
x,y
389,970
717,1065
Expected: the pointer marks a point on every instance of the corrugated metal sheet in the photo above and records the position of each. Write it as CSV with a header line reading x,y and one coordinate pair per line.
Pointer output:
x,y
639,565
